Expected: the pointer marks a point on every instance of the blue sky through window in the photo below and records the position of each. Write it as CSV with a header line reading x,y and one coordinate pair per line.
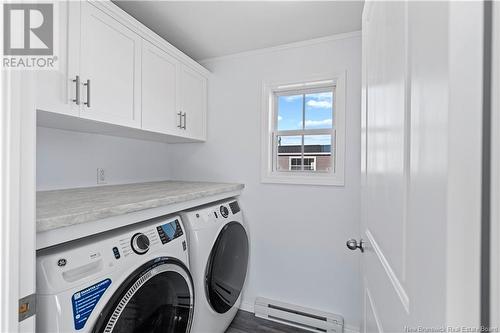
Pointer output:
x,y
318,114
296,140
290,112
290,140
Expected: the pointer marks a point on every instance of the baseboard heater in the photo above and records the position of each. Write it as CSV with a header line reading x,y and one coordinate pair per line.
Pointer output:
x,y
297,316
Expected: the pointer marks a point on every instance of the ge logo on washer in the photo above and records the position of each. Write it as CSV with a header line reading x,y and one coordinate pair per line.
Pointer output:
x,y
61,262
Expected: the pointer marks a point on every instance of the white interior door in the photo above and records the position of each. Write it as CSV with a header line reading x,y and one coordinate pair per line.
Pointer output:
x,y
193,102
405,171
384,194
17,201
159,87
110,69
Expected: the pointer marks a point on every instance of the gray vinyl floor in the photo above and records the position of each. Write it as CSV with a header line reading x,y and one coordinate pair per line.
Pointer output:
x,y
246,322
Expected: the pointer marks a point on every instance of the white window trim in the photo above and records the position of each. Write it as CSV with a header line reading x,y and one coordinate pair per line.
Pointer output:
x,y
268,175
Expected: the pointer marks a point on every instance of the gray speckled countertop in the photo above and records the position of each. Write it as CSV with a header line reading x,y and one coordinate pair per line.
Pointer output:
x,y
62,208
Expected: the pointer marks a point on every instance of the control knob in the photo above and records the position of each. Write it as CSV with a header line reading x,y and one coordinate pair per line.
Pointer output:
x,y
224,211
140,243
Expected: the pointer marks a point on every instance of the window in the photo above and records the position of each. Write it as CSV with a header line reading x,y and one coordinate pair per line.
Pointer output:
x,y
303,132
295,163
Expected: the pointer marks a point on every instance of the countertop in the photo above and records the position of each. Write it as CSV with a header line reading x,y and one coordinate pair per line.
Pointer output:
x,y
62,208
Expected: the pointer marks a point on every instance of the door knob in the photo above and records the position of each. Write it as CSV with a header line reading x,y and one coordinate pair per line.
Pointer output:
x,y
352,244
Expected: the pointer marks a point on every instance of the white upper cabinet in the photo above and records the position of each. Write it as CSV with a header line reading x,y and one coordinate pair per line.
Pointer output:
x,y
57,89
159,90
117,76
110,69
193,101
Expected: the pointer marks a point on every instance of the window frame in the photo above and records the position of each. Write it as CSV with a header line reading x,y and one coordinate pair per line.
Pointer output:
x,y
304,131
269,154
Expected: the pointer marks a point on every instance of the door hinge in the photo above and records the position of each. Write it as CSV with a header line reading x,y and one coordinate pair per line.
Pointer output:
x,y
27,307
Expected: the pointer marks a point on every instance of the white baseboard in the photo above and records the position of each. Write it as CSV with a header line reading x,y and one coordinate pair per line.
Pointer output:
x,y
249,307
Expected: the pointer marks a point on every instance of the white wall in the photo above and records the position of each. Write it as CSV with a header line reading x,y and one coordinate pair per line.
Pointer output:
x,y
298,232
70,159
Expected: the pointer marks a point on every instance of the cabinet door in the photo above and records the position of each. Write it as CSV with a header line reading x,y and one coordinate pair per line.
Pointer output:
x,y
193,102
56,90
110,69
159,97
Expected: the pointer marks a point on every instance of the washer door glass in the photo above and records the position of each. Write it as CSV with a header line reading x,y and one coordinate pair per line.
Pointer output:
x,y
159,299
227,267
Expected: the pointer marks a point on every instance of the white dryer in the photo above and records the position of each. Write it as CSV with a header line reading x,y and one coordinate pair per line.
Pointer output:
x,y
218,249
133,279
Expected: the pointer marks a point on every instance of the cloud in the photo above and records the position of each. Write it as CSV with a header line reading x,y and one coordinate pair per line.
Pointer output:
x,y
321,104
318,123
292,98
320,100
279,118
320,96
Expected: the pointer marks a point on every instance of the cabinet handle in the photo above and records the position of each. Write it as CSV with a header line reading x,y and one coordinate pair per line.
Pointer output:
x,y
77,92
88,93
180,119
185,120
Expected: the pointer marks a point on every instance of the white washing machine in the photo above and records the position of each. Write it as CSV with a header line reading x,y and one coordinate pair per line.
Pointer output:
x,y
218,250
133,279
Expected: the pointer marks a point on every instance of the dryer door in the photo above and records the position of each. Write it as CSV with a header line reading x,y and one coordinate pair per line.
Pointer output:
x,y
227,267
156,298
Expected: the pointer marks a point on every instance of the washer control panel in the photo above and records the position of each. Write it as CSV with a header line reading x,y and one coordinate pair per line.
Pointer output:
x,y
169,231
224,211
67,265
148,238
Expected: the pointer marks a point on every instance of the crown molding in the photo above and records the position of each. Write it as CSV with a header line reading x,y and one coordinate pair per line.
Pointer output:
x,y
304,43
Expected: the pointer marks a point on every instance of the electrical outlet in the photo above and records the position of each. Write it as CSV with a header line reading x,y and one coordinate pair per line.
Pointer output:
x,y
101,176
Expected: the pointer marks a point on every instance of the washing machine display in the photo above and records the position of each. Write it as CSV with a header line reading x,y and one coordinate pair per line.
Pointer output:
x,y
227,267
169,231
157,298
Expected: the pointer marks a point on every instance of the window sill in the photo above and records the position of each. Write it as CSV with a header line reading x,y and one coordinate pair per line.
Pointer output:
x,y
300,179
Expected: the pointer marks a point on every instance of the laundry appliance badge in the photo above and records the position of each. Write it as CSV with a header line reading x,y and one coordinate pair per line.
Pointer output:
x,y
85,301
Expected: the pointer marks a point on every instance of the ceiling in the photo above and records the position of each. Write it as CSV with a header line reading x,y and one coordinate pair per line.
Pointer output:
x,y
206,29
